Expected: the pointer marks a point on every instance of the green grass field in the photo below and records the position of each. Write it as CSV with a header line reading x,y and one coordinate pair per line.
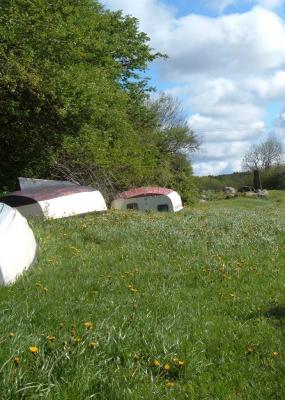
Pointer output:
x,y
151,306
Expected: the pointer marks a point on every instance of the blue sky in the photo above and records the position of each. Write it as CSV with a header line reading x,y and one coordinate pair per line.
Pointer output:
x,y
184,7
227,66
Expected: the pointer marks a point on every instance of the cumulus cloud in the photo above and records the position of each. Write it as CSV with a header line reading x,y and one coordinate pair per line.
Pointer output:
x,y
278,131
234,45
271,3
226,70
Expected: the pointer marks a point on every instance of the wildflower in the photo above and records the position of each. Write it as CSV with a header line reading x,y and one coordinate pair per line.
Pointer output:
x,y
275,353
93,345
181,363
88,325
166,367
250,349
51,338
156,363
45,289
175,360
12,334
133,290
169,384
39,285
17,361
74,249
34,349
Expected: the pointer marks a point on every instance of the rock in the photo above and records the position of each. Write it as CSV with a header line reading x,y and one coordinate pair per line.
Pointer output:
x,y
251,194
229,190
262,193
246,189
259,193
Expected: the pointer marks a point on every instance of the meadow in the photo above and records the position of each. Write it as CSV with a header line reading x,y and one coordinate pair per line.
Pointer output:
x,y
151,306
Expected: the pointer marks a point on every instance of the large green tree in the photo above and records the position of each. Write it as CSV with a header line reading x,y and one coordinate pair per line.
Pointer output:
x,y
74,101
68,69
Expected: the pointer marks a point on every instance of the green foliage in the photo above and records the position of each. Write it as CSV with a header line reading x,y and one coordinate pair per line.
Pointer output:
x,y
73,99
274,177
271,178
204,286
217,183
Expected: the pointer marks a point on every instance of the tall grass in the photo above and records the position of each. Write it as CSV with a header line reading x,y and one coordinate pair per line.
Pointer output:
x,y
151,306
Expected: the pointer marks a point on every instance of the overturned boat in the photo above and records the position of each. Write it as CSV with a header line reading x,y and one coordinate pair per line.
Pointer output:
x,y
147,199
18,247
54,199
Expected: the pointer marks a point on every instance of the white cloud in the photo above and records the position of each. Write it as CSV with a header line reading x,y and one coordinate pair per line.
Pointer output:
x,y
279,128
271,3
219,5
226,70
234,45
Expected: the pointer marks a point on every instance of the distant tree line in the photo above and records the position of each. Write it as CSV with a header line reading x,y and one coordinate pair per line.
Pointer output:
x,y
266,157
74,101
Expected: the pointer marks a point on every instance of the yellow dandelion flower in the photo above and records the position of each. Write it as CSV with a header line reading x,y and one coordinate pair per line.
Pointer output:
x,y
74,249
169,384
17,361
12,334
275,353
166,367
181,363
51,338
88,325
45,289
133,290
175,360
250,349
156,363
93,345
34,349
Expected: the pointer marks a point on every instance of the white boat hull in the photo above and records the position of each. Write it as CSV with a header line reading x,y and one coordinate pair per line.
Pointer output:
x,y
65,206
18,247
